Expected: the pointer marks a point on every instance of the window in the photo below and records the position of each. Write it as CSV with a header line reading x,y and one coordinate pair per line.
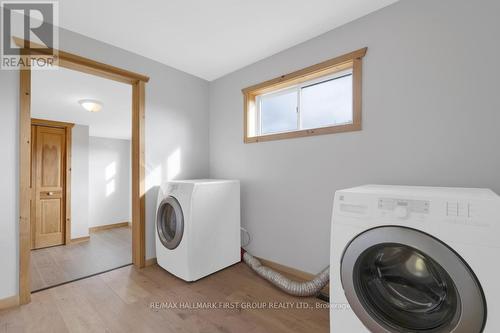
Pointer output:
x,y
320,103
321,99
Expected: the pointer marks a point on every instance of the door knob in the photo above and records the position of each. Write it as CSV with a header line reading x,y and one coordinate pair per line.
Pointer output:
x,y
50,193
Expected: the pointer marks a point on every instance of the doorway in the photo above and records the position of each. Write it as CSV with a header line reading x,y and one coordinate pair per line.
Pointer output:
x,y
81,177
85,65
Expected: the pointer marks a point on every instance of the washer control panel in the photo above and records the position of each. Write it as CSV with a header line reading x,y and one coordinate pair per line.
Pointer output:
x,y
402,208
459,209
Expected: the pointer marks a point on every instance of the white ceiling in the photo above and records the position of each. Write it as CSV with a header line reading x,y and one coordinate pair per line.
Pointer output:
x,y
55,96
209,38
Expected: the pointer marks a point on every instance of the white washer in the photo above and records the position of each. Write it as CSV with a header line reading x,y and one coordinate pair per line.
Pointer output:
x,y
198,227
415,259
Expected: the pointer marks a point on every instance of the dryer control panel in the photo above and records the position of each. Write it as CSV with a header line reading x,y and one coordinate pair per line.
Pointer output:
x,y
172,187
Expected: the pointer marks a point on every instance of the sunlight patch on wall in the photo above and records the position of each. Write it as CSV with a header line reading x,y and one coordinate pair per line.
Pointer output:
x,y
168,170
174,164
153,178
110,170
110,173
110,187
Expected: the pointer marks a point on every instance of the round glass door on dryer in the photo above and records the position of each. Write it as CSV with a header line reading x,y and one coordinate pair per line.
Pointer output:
x,y
398,279
170,223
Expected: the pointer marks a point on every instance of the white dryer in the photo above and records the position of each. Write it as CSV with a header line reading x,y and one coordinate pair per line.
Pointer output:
x,y
198,227
415,259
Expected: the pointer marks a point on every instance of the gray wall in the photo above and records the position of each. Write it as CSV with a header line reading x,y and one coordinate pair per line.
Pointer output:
x,y
79,181
9,180
176,120
109,181
431,116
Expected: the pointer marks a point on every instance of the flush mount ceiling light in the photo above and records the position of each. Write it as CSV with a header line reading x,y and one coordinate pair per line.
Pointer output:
x,y
91,105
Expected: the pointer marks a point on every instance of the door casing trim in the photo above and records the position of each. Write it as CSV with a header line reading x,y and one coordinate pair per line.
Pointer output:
x,y
85,65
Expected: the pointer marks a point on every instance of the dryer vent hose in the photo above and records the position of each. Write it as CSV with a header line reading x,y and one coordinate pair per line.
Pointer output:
x,y
308,288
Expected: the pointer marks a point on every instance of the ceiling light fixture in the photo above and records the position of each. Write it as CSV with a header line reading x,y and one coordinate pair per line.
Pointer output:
x,y
91,105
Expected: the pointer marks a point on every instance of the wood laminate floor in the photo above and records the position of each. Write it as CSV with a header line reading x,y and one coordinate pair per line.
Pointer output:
x,y
152,300
105,250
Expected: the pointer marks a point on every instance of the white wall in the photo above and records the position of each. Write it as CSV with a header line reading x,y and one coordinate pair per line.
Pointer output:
x,y
109,181
431,116
9,180
176,127
80,181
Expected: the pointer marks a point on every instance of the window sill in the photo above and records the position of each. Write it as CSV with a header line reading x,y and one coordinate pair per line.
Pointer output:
x,y
304,133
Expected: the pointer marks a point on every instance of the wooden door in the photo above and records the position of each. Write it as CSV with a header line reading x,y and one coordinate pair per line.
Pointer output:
x,y
48,185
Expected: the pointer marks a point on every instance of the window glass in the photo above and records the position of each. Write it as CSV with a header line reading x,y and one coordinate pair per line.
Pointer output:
x,y
327,103
278,112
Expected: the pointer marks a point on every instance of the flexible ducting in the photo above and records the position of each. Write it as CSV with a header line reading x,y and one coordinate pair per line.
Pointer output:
x,y
308,288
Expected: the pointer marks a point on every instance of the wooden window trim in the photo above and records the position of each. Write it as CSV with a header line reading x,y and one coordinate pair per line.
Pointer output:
x,y
331,66
85,65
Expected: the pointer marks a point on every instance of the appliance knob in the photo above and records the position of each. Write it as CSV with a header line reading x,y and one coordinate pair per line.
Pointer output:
x,y
401,212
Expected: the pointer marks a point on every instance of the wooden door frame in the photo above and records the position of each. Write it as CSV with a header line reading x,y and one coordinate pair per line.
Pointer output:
x,y
85,65
67,170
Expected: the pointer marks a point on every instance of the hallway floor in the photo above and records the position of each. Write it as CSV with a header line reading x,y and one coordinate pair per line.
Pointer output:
x,y
105,250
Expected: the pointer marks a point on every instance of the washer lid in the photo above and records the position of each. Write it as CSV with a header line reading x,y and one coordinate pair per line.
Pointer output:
x,y
170,222
398,279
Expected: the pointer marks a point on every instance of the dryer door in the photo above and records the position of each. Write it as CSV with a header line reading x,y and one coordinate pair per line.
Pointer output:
x,y
398,279
170,222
